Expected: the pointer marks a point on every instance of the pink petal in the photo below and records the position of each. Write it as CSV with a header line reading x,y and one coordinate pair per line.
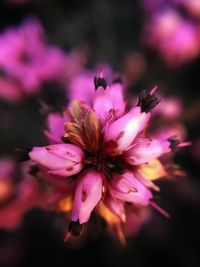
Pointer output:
x,y
116,206
116,92
87,195
124,130
82,88
102,104
146,150
59,159
126,187
55,125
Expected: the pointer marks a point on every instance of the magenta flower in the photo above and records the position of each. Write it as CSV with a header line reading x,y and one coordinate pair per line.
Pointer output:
x,y
102,159
27,61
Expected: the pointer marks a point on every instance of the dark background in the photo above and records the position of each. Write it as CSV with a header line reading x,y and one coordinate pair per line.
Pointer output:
x,y
112,29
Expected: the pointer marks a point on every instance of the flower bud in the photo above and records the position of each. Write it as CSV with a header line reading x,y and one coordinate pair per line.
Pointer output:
x,y
59,159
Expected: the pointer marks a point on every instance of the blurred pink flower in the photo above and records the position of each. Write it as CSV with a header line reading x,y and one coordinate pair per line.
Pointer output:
x,y
16,198
104,159
27,196
176,38
167,119
171,108
26,61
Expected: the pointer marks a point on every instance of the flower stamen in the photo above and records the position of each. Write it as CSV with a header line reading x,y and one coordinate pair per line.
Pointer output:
x,y
148,101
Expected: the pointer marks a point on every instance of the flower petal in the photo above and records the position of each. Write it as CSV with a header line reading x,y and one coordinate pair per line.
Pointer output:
x,y
59,159
126,187
146,150
88,193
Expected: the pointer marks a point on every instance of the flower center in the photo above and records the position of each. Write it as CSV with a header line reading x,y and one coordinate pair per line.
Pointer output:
x,y
85,131
103,163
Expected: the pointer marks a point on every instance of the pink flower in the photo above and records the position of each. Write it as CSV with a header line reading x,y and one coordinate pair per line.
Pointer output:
x,y
27,61
176,38
102,143
61,159
88,193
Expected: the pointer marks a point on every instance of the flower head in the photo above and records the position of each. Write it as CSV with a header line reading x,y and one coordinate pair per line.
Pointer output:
x,y
104,160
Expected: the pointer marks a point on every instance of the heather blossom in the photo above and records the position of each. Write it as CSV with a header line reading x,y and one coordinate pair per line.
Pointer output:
x,y
100,158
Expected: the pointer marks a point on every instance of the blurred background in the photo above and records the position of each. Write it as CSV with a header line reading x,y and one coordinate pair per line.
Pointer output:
x,y
44,44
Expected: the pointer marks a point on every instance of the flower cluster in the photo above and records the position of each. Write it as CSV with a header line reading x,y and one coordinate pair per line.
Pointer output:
x,y
101,159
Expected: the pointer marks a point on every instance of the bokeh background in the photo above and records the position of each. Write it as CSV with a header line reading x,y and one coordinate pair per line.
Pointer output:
x,y
126,36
